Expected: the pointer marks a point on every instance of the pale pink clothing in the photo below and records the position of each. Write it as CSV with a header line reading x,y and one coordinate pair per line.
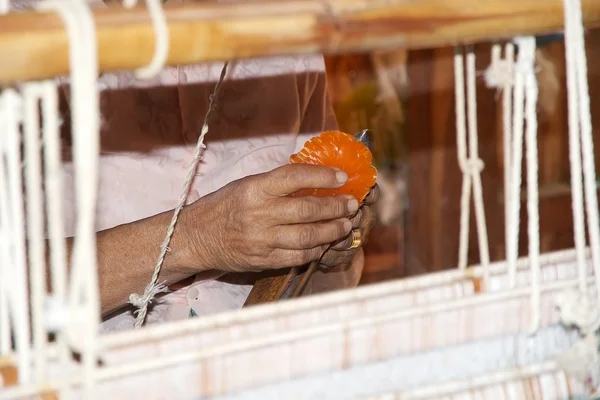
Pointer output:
x,y
267,109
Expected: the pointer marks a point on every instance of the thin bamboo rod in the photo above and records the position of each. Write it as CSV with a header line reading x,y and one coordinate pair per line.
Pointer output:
x,y
34,46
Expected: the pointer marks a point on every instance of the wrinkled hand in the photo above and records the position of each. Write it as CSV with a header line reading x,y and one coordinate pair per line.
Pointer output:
x,y
250,224
363,220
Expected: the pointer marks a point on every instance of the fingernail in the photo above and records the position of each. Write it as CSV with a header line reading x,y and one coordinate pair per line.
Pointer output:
x,y
347,226
352,205
341,177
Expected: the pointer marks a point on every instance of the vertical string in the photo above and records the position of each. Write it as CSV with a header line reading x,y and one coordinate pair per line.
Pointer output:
x,y
54,190
11,104
35,225
471,165
574,147
83,291
512,219
577,40
461,148
527,48
507,93
476,166
5,244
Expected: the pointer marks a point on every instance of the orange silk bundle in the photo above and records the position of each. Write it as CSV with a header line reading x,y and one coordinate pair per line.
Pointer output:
x,y
339,150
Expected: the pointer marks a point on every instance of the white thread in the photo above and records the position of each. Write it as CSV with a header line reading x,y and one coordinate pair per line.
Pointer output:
x,y
574,37
577,308
35,223
142,301
512,219
472,166
161,36
499,74
83,291
527,68
11,108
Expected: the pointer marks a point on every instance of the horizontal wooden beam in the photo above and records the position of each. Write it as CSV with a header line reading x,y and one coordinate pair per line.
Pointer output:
x,y
35,46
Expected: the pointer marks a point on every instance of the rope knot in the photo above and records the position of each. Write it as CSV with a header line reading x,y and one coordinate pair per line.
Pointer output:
x,y
149,294
472,166
499,74
579,310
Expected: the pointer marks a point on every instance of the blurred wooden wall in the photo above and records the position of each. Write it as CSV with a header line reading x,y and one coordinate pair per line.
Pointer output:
x,y
434,183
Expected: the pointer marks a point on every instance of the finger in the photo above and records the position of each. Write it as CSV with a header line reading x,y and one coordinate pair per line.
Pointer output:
x,y
291,178
308,236
373,195
307,209
281,258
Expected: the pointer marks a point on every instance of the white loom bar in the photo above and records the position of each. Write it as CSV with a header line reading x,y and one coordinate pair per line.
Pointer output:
x,y
54,189
35,224
19,299
574,151
244,345
447,389
126,338
156,363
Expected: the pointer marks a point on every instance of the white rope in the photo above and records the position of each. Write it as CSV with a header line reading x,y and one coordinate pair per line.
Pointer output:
x,y
577,308
527,49
18,302
153,288
575,44
471,165
503,73
580,135
84,306
161,36
35,223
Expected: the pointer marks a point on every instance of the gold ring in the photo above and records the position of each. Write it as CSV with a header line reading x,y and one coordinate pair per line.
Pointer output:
x,y
356,239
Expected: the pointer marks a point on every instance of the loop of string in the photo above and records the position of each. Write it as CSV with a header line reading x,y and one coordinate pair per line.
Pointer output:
x,y
84,307
526,67
153,288
577,307
470,163
161,36
520,96
581,146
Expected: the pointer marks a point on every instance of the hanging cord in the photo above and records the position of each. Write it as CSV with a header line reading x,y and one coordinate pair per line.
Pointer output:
x,y
471,165
161,36
84,307
152,289
526,66
502,73
577,308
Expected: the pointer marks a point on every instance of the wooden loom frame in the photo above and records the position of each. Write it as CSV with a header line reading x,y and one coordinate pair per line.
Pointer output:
x,y
201,32
34,46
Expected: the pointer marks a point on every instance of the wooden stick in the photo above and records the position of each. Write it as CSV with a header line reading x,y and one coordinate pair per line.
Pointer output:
x,y
34,46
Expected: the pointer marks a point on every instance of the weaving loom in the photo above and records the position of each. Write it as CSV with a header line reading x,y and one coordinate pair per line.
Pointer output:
x,y
485,331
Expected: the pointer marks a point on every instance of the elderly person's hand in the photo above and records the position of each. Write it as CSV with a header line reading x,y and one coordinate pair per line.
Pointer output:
x,y
345,249
252,225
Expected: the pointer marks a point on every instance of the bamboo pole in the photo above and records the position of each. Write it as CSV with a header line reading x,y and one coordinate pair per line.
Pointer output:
x,y
34,46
